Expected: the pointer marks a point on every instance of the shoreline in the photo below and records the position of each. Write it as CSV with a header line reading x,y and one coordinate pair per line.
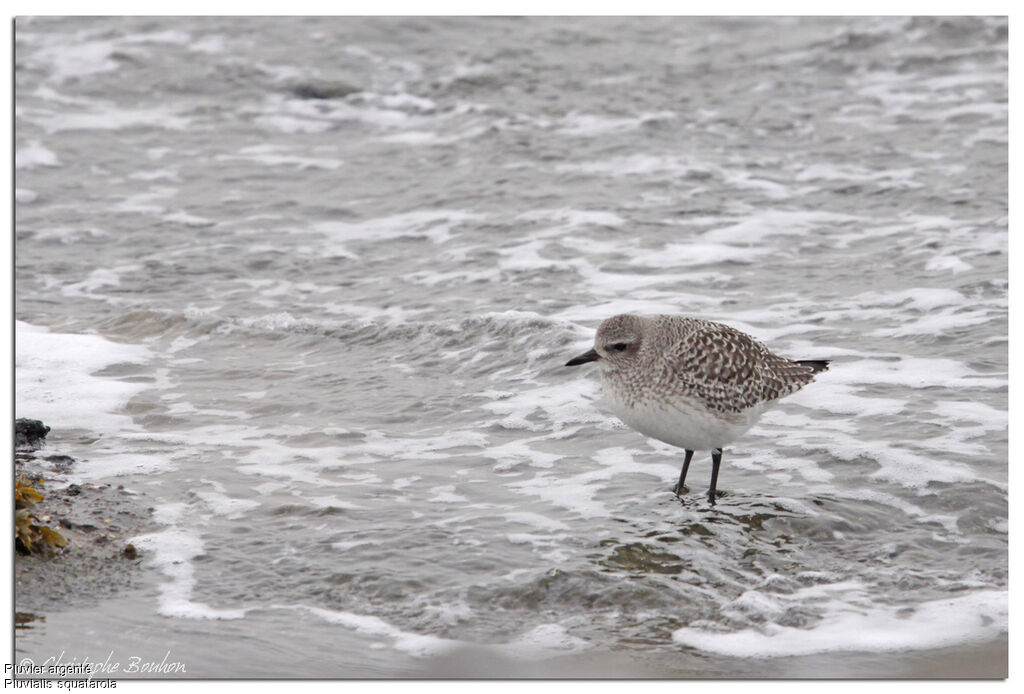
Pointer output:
x,y
99,566
98,562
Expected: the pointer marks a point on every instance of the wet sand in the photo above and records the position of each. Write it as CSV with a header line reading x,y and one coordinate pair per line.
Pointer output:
x,y
123,634
96,520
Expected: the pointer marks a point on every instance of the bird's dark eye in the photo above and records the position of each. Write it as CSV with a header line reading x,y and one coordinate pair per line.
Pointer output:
x,y
620,346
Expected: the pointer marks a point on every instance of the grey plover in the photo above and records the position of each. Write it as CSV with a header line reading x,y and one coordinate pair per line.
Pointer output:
x,y
689,382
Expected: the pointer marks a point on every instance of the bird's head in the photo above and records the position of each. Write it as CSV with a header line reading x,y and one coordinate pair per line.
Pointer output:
x,y
617,342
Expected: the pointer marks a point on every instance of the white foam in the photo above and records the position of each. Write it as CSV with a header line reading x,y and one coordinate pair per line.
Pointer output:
x,y
211,44
434,225
171,36
771,189
172,551
914,372
543,641
304,115
103,464
69,59
403,482
901,465
573,218
843,399
66,234
277,155
344,546
769,460
996,134
917,298
754,229
223,505
417,645
995,111
447,613
387,446
970,410
24,196
576,492
188,220
291,125
938,322
536,520
284,321
526,257
331,502
951,263
273,459
429,278
977,616
892,178
695,254
634,165
402,100
33,156
589,125
156,175
55,382
462,71
416,137
595,312
544,408
251,395
518,452
616,284
963,79
445,494
101,277
111,118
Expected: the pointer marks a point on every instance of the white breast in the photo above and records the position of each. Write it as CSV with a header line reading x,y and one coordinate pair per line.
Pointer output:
x,y
683,422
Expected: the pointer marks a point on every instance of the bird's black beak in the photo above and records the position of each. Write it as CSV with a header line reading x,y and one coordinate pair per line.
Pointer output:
x,y
592,355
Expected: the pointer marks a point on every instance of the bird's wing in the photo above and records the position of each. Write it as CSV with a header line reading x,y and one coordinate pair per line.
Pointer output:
x,y
730,371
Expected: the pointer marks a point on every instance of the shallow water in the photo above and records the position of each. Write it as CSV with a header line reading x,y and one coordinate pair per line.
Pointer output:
x,y
325,337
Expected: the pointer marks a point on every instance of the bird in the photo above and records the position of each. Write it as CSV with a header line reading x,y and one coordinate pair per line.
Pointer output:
x,y
690,382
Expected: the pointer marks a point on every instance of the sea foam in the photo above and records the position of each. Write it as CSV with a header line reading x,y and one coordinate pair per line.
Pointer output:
x,y
56,381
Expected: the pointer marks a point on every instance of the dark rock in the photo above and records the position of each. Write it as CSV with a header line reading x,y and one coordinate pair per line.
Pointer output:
x,y
61,463
323,90
73,490
29,433
22,620
129,552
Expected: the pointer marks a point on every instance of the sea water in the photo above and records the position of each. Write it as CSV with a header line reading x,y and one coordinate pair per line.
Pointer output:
x,y
324,338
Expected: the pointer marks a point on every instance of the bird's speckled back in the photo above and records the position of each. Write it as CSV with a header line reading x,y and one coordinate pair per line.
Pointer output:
x,y
676,356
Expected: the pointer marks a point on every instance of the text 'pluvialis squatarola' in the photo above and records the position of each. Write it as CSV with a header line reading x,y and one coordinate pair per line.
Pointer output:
x,y
689,382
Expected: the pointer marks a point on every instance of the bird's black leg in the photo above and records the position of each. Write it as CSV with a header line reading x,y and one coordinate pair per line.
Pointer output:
x,y
716,461
682,475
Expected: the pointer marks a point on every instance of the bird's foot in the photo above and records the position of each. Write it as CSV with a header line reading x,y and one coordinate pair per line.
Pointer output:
x,y
679,490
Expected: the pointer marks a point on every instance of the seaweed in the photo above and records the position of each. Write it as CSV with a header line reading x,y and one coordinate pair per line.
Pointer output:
x,y
30,535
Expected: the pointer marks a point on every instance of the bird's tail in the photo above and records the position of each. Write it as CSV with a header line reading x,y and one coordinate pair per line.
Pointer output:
x,y
816,365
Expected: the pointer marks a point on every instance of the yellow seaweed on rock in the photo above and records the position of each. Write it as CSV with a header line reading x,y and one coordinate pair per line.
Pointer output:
x,y
24,494
52,537
23,529
29,535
